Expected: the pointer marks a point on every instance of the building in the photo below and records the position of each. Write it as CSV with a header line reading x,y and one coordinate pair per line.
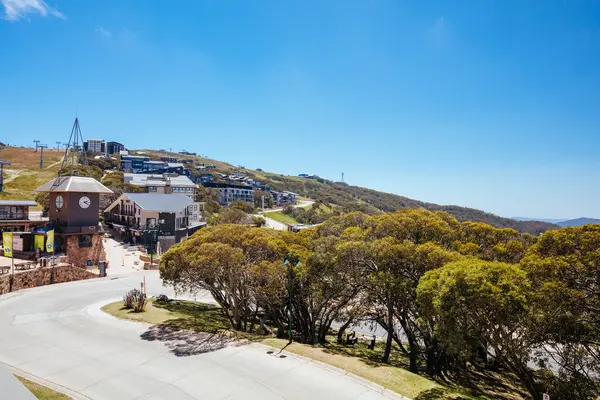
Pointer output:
x,y
169,159
131,163
229,193
26,227
176,168
154,165
74,216
283,198
162,183
95,145
144,218
114,147
205,178
15,216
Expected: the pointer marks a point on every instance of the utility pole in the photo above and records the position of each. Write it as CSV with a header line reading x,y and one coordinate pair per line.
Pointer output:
x,y
36,144
2,164
263,204
342,177
42,147
58,145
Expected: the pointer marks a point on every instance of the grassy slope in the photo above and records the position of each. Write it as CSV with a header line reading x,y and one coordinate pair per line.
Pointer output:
x,y
42,392
369,200
358,359
279,216
25,175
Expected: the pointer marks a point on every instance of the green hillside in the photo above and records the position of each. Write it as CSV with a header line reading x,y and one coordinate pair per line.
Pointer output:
x,y
351,198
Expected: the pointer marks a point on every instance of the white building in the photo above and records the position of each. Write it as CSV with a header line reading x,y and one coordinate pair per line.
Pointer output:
x,y
95,145
162,183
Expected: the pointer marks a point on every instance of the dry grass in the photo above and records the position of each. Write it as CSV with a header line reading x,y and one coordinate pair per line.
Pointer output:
x,y
42,392
24,175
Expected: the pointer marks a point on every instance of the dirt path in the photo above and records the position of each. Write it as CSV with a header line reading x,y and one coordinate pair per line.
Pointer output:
x,y
56,163
11,174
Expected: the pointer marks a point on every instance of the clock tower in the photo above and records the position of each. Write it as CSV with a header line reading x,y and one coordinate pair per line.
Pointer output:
x,y
74,207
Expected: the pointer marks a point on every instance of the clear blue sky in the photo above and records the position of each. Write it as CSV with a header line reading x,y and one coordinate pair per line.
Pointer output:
x,y
488,104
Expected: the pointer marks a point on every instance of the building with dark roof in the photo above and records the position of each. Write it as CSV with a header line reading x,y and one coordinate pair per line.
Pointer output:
x,y
114,147
140,216
74,207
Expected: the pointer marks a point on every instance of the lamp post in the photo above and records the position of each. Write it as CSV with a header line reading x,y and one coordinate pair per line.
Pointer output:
x,y
152,234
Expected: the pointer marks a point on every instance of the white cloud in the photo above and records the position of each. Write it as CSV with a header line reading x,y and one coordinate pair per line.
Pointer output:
x,y
103,32
17,9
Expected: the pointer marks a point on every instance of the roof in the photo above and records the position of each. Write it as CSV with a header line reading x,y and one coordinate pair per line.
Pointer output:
x,y
175,165
17,203
160,202
79,184
157,180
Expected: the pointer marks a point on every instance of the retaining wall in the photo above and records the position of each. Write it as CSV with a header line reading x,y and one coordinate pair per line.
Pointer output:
x,y
44,276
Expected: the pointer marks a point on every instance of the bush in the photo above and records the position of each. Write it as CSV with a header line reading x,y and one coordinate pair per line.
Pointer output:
x,y
258,221
135,299
161,298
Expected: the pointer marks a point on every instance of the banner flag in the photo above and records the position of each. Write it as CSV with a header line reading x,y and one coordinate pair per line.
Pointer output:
x,y
7,238
50,241
38,242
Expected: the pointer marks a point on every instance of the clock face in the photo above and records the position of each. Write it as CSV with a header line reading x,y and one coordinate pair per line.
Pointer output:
x,y
59,201
84,202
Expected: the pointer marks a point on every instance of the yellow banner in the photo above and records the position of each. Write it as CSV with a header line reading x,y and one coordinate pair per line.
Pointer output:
x,y
38,242
7,243
50,241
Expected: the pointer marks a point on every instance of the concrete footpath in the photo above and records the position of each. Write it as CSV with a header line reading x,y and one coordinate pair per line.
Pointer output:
x,y
58,334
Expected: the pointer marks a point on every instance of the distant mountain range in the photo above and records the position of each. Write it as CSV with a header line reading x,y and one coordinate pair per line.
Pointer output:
x,y
563,222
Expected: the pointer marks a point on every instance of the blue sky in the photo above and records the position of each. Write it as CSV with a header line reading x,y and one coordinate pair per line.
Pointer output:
x,y
487,104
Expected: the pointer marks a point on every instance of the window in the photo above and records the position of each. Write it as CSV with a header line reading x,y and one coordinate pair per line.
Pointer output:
x,y
151,189
85,241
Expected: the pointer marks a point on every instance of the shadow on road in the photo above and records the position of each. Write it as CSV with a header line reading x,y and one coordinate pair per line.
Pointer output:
x,y
186,342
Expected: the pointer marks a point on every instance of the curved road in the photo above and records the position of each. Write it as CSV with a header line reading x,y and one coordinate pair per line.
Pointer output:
x,y
59,334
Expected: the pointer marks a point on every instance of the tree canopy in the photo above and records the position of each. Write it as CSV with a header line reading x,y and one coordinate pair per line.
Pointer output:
x,y
451,295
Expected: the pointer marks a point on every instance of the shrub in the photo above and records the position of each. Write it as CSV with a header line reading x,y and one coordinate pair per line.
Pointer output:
x,y
162,298
135,299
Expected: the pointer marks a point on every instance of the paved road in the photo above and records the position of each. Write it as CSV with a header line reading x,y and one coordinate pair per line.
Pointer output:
x,y
58,333
121,258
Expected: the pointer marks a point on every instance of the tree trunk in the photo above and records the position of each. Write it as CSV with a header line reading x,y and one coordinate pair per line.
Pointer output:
x,y
384,325
342,330
412,345
528,380
388,342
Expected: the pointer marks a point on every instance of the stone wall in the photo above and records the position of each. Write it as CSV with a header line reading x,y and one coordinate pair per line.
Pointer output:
x,y
44,276
79,256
